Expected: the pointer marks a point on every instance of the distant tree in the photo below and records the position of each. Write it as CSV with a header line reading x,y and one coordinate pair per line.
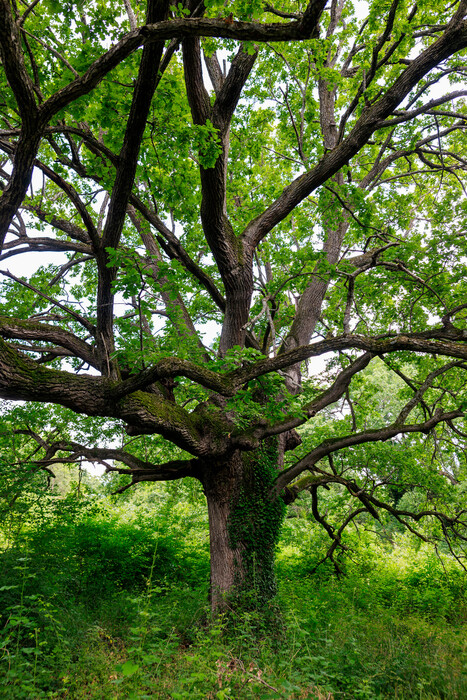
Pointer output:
x,y
288,179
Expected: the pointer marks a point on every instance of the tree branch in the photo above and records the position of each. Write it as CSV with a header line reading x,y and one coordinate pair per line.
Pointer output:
x,y
81,320
148,78
448,342
33,330
454,39
23,379
378,435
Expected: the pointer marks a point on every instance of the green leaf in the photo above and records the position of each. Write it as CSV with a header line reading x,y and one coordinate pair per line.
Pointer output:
x,y
128,668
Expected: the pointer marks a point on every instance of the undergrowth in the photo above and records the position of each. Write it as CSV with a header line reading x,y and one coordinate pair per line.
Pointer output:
x,y
112,605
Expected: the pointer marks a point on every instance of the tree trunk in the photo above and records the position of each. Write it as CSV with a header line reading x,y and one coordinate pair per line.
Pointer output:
x,y
244,526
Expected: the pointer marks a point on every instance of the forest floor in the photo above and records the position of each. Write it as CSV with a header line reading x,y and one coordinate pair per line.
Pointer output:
x,y
112,605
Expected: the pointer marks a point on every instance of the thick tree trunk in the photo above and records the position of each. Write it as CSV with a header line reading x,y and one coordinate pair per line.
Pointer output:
x,y
244,526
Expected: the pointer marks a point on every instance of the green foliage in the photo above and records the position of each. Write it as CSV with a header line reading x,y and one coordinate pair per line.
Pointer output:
x,y
265,397
96,551
207,143
393,627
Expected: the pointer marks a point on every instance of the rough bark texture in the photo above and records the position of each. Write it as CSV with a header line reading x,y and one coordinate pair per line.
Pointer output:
x,y
220,492
245,517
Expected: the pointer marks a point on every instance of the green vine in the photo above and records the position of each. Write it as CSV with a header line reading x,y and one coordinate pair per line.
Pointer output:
x,y
254,525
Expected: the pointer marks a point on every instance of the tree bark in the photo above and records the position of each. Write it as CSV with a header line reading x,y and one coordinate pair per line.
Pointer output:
x,y
244,526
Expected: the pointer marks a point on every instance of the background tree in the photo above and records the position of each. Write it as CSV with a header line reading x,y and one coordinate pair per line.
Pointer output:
x,y
291,176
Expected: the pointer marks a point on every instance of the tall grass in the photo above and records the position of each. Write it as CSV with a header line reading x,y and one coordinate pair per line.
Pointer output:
x,y
113,605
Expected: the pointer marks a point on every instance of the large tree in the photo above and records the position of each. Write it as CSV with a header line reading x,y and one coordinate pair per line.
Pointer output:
x,y
225,192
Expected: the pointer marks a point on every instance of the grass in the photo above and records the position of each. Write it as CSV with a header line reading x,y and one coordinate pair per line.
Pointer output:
x,y
114,612
128,649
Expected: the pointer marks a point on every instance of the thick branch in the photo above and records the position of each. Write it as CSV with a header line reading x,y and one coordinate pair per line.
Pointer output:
x,y
14,67
32,330
139,469
171,29
173,367
234,268
124,178
229,94
23,379
448,342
